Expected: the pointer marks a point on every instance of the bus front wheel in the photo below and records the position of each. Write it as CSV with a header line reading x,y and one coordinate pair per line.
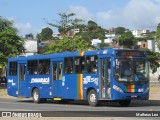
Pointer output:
x,y
124,103
36,96
92,98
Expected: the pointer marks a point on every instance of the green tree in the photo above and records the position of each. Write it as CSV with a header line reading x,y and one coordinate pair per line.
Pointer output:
x,y
103,45
75,44
127,39
158,36
39,38
46,34
153,58
151,36
10,43
66,23
93,31
31,35
120,30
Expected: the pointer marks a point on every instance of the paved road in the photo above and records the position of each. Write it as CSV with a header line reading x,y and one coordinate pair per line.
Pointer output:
x,y
28,105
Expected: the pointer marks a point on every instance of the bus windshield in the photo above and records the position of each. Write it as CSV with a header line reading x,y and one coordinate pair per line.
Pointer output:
x,y
132,70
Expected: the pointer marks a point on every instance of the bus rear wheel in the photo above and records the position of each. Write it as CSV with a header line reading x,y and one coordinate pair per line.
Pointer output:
x,y
36,96
92,98
124,103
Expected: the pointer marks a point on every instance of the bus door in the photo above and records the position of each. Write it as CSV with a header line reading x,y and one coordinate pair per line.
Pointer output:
x,y
21,79
105,78
57,78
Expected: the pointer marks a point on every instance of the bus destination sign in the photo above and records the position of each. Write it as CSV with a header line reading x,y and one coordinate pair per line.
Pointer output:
x,y
130,53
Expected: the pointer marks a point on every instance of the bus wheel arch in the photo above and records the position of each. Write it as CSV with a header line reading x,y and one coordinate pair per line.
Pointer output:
x,y
92,97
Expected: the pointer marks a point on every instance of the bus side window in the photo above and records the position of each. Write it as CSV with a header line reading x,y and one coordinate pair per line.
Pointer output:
x,y
79,63
55,71
60,71
44,66
91,64
13,68
68,65
32,67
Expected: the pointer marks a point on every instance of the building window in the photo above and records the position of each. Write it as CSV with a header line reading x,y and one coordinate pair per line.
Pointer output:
x,y
144,45
13,68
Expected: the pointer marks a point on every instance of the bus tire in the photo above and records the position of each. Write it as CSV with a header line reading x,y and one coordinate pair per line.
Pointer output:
x,y
36,96
92,98
124,103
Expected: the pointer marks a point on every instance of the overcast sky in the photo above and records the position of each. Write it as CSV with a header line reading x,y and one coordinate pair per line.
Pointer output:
x,y
29,15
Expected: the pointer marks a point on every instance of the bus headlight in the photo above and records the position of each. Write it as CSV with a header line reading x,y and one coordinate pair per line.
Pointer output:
x,y
117,88
141,90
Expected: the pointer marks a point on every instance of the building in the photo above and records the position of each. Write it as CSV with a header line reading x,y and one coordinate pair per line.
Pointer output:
x,y
96,42
112,35
143,44
149,44
41,45
140,33
57,36
72,32
137,33
30,46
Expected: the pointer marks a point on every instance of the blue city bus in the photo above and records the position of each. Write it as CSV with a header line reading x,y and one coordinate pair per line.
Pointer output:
x,y
111,74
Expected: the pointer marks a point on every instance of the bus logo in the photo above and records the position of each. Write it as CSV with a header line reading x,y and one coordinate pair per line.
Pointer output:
x,y
40,80
89,79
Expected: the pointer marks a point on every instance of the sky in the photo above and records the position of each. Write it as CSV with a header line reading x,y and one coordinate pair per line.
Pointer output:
x,y
31,16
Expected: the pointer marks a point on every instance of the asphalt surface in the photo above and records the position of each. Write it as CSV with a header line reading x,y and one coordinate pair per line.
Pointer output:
x,y
82,109
28,105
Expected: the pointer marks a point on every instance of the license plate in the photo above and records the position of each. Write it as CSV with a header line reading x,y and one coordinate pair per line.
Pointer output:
x,y
134,96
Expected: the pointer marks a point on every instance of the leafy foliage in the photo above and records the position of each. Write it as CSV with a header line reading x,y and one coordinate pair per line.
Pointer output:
x,y
127,39
75,44
120,30
103,45
10,43
46,34
66,22
153,58
93,31
151,36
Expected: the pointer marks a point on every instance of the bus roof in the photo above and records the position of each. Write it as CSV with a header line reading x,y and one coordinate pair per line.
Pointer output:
x,y
107,51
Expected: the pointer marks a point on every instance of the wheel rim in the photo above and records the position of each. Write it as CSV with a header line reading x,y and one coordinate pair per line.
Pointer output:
x,y
36,96
92,98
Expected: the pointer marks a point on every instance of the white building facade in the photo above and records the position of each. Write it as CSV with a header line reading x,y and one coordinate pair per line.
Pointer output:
x,y
96,42
30,46
140,33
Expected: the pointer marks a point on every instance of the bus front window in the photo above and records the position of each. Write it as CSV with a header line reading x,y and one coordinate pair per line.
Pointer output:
x,y
131,70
